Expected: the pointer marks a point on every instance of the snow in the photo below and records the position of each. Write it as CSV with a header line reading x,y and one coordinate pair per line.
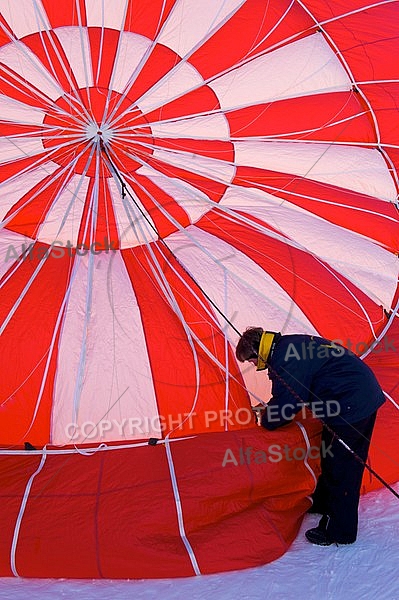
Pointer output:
x,y
361,571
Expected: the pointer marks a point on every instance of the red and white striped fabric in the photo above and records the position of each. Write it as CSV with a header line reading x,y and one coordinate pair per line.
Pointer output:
x,y
169,169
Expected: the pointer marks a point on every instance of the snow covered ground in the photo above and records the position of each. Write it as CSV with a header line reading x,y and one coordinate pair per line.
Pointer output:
x,y
364,571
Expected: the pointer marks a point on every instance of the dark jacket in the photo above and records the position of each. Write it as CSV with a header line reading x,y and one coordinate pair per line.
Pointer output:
x,y
334,383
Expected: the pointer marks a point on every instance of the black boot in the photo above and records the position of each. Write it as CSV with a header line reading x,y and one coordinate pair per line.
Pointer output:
x,y
318,535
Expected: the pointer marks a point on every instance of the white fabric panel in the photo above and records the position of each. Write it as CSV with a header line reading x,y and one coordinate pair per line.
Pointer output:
x,y
21,147
13,189
253,297
219,170
76,45
371,268
177,82
305,67
359,169
29,17
18,112
115,356
102,13
63,220
132,48
191,21
206,127
133,228
11,243
21,59
193,201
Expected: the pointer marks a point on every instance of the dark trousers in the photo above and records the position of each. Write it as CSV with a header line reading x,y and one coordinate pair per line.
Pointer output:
x,y
338,488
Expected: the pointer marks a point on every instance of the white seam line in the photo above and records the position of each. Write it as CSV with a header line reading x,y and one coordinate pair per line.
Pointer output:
x,y
21,513
102,447
179,510
305,460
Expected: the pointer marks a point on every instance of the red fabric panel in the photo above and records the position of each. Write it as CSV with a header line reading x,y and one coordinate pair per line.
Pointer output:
x,y
213,189
65,12
383,100
200,100
384,360
6,34
141,17
52,56
103,45
11,129
249,32
59,507
88,216
15,472
217,149
130,153
27,338
106,227
121,515
315,289
171,358
305,114
13,86
99,210
357,212
18,166
261,504
159,63
383,455
146,190
367,39
368,51
147,18
27,220
142,498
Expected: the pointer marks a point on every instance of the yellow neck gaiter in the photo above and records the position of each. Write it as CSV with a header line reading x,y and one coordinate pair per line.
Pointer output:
x,y
265,345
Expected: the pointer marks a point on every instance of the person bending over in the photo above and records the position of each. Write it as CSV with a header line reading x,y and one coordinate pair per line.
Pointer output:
x,y
343,392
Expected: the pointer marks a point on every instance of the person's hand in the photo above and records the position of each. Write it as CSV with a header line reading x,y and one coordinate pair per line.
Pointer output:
x,y
258,411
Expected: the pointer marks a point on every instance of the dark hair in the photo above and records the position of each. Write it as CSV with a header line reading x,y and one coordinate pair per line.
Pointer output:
x,y
248,345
